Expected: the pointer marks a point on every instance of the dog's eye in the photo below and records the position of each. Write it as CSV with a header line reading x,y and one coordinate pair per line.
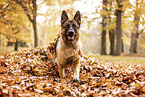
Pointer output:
x,y
67,26
74,25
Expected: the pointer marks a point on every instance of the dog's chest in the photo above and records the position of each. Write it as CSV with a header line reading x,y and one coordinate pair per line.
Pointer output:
x,y
67,55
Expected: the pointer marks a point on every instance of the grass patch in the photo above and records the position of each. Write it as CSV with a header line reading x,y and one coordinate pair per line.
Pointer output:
x,y
120,59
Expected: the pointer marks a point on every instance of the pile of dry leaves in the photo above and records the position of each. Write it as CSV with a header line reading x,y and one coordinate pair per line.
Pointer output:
x,y
32,73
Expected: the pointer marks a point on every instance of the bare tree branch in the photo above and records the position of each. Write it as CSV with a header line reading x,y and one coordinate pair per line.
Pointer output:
x,y
25,10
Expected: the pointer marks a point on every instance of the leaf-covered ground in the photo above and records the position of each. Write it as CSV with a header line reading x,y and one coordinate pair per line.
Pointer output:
x,y
33,74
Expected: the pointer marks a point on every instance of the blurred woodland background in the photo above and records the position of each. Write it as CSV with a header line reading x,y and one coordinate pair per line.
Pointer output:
x,y
108,26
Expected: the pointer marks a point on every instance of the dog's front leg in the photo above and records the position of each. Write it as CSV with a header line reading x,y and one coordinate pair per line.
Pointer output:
x,y
76,72
61,71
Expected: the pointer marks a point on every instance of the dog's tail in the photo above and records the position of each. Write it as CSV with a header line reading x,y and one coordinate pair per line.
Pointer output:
x,y
52,48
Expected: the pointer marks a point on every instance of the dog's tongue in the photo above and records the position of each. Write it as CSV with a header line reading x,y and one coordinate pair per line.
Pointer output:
x,y
70,37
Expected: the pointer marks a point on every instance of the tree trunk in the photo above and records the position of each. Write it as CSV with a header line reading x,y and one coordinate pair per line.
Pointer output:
x,y
135,33
104,23
103,41
35,33
133,47
111,31
0,43
122,49
35,23
31,14
112,41
135,42
118,28
16,45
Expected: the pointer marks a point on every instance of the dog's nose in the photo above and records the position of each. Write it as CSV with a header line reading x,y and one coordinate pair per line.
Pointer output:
x,y
71,33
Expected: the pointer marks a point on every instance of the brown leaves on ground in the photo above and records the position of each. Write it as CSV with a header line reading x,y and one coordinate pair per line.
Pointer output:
x,y
31,73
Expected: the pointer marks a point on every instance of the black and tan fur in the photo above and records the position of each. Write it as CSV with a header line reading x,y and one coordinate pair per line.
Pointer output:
x,y
68,45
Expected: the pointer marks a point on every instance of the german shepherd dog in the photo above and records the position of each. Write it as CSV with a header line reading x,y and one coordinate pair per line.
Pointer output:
x,y
68,46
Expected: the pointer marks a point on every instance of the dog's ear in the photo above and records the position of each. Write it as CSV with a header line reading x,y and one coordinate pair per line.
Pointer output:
x,y
77,17
64,17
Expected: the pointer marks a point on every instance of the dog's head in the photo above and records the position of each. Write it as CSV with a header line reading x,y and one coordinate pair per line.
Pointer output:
x,y
70,28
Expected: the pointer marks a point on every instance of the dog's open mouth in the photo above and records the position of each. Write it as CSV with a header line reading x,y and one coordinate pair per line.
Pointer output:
x,y
71,36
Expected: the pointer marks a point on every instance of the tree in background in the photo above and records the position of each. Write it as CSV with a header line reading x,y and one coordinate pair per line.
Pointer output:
x,y
30,9
135,33
14,25
111,26
3,11
104,28
118,27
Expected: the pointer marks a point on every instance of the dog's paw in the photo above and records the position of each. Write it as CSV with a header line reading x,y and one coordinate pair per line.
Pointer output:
x,y
75,80
76,77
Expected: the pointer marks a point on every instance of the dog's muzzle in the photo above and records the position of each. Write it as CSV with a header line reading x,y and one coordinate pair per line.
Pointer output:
x,y
71,35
